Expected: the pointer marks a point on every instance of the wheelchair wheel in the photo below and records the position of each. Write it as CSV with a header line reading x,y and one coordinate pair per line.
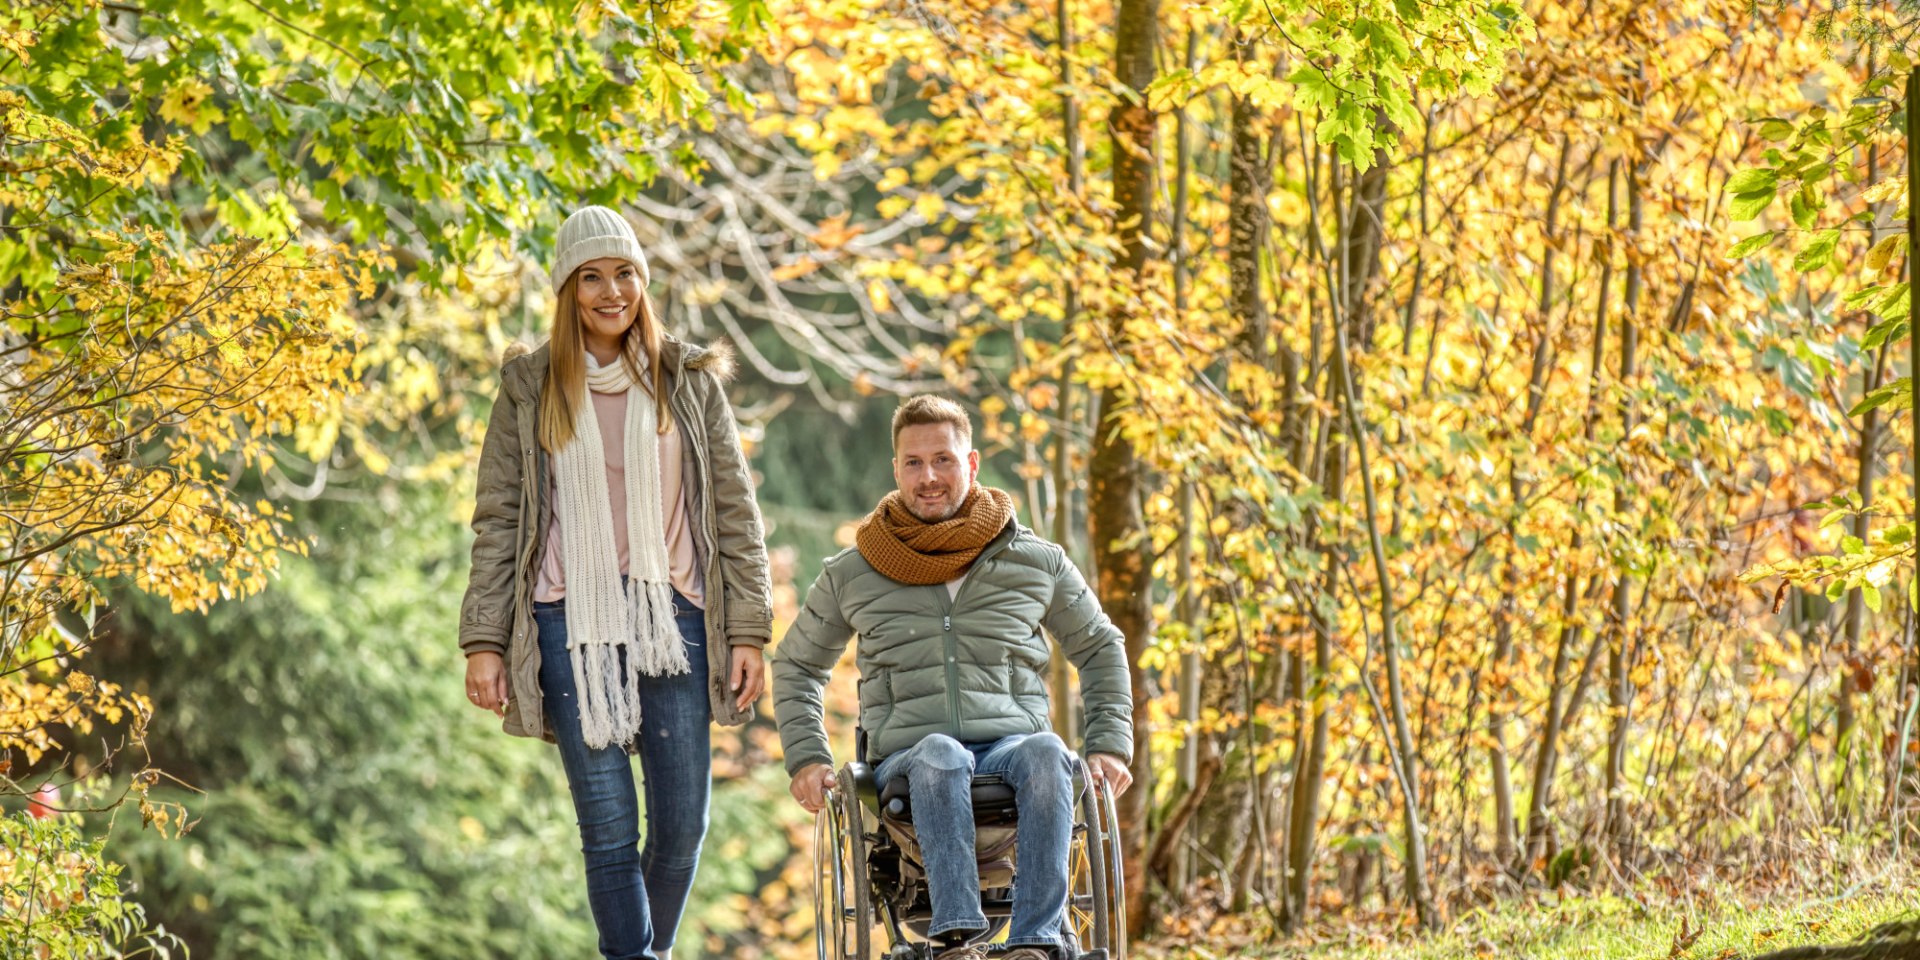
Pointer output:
x,y
842,896
1096,899
1116,875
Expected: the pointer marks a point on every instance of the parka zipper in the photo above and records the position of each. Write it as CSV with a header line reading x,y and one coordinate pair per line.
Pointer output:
x,y
950,602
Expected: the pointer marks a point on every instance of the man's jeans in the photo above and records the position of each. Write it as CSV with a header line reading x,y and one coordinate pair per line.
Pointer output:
x,y
939,772
636,895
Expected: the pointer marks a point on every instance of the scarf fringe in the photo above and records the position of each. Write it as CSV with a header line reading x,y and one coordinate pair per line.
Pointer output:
x,y
609,700
662,653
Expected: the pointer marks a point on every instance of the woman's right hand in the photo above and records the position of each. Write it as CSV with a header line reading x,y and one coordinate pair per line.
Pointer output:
x,y
487,682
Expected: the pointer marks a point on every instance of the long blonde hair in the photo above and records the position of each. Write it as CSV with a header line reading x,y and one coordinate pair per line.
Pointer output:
x,y
566,389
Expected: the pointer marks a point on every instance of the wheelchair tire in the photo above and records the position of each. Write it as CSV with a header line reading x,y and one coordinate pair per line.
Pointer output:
x,y
842,901
1096,899
863,915
1116,876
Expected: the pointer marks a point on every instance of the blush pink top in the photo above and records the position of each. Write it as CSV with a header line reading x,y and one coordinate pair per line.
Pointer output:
x,y
610,410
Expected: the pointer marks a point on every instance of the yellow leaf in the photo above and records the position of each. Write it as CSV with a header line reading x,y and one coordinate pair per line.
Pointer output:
x,y
189,104
1885,190
1882,252
798,268
892,207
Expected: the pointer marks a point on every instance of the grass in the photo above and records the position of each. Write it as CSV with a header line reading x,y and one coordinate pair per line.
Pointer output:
x,y
1720,924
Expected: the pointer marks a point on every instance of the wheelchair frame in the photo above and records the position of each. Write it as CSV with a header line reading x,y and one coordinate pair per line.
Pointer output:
x,y
861,881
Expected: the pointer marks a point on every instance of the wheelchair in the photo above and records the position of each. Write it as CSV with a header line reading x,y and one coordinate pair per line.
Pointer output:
x,y
868,872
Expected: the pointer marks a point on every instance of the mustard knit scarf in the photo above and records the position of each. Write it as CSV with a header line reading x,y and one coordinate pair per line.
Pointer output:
x,y
906,548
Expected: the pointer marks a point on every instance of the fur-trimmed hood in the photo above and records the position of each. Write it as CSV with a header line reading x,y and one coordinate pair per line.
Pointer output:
x,y
717,357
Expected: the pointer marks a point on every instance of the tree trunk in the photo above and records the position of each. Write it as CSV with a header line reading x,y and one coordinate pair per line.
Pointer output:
x,y
1124,582
1547,759
1619,669
1248,221
1363,228
1404,760
1061,679
1314,453
1180,873
1505,837
1846,743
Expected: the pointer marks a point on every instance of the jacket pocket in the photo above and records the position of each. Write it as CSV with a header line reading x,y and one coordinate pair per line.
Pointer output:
x,y
877,710
1028,694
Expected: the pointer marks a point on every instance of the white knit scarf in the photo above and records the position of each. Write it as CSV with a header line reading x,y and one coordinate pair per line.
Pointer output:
x,y
602,623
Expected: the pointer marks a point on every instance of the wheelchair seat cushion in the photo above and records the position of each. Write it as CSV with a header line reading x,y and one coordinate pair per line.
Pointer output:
x,y
992,798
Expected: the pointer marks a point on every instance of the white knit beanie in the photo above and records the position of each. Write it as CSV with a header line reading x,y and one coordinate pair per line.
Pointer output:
x,y
592,233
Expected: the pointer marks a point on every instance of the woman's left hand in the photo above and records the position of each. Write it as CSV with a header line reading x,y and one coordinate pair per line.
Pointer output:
x,y
747,676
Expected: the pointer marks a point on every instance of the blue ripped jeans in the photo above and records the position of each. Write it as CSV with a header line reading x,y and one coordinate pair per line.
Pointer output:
x,y
939,772
636,894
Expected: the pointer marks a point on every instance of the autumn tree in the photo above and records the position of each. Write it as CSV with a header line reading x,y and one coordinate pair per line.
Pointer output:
x,y
196,202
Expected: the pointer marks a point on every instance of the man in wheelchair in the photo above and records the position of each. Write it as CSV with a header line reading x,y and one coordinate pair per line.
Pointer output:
x,y
949,595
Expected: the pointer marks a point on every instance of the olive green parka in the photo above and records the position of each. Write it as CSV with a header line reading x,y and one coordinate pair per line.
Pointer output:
x,y
511,516
971,665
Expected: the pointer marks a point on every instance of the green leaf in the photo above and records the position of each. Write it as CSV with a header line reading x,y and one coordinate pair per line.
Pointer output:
x,y
1818,252
1777,420
1871,594
1895,303
1746,206
745,14
1313,88
1899,534
1872,400
1895,394
1751,245
1762,179
1805,212
1851,545
1886,331
1861,296
1775,129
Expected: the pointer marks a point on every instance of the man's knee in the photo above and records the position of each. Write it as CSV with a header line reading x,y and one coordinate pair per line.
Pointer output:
x,y
1044,762
943,753
1044,747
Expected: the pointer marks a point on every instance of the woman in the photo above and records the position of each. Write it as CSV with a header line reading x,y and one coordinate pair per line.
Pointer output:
x,y
616,537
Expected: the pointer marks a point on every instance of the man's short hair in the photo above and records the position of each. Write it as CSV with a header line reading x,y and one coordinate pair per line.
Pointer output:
x,y
926,408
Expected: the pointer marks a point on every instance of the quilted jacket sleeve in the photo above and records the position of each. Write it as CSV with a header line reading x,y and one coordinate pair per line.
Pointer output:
x,y
801,666
1097,649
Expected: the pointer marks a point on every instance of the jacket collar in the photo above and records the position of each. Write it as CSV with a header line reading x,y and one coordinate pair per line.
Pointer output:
x,y
677,354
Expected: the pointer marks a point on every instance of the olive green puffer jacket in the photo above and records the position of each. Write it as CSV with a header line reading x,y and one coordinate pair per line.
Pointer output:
x,y
511,515
971,666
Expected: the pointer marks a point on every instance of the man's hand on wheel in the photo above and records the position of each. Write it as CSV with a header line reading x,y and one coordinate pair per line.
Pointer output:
x,y
1107,768
810,785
